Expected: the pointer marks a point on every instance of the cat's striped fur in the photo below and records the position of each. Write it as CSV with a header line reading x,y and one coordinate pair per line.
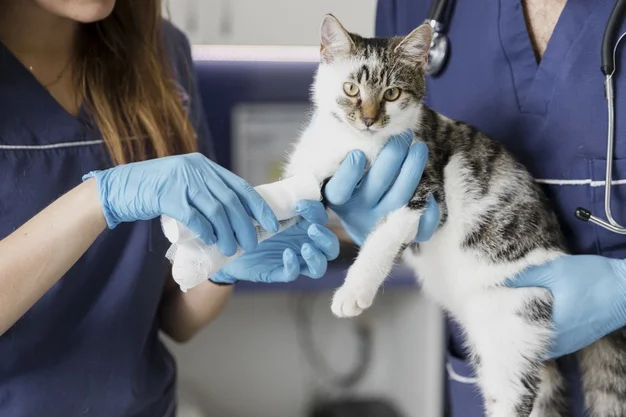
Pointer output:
x,y
495,222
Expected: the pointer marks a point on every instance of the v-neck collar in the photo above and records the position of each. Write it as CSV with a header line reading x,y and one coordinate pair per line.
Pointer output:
x,y
534,82
26,104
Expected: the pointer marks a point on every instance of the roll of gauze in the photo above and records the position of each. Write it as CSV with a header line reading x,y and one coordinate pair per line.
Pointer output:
x,y
193,262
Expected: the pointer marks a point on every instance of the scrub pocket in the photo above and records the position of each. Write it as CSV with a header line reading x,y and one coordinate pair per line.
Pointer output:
x,y
609,243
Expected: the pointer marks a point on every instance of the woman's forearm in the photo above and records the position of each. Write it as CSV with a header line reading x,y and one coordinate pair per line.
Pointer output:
x,y
184,314
38,254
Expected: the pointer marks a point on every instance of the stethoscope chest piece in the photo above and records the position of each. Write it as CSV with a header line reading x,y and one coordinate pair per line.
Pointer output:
x,y
438,53
439,44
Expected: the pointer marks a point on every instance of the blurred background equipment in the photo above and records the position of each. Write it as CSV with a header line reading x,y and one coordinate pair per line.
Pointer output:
x,y
266,22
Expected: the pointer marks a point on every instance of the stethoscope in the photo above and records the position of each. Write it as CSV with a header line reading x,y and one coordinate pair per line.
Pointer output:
x,y
608,69
439,46
437,58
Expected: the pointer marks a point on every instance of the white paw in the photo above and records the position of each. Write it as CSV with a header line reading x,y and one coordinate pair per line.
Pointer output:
x,y
350,301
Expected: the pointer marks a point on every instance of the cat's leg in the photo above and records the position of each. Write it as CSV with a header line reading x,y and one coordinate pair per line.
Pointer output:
x,y
551,397
603,368
375,260
510,331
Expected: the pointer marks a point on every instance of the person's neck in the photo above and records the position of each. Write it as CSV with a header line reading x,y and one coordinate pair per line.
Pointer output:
x,y
35,35
45,44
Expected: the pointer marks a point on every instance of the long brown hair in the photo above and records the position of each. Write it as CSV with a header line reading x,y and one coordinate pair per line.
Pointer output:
x,y
128,84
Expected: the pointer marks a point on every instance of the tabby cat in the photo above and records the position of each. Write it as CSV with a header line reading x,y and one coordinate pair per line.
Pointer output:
x,y
495,221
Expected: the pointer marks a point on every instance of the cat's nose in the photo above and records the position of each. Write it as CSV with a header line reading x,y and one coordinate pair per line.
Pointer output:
x,y
369,113
368,121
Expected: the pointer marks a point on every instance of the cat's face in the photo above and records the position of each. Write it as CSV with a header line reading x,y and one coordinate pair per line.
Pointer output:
x,y
376,86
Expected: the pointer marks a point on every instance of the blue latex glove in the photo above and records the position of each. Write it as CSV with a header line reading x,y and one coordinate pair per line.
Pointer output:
x,y
589,298
361,202
304,248
211,201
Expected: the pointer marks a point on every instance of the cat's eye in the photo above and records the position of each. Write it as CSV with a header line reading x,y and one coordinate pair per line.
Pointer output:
x,y
350,89
392,94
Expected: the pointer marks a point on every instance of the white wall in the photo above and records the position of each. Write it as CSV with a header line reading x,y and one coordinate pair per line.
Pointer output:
x,y
267,22
249,364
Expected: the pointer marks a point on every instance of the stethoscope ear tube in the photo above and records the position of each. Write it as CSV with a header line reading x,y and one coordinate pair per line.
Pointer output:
x,y
608,40
437,10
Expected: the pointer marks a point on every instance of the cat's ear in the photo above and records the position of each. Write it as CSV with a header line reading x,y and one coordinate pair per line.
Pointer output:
x,y
416,44
336,40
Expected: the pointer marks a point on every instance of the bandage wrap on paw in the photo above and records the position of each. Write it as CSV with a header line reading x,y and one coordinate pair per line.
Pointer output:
x,y
193,262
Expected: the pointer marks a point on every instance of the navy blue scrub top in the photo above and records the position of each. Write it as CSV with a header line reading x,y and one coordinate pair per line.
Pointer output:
x,y
551,115
89,346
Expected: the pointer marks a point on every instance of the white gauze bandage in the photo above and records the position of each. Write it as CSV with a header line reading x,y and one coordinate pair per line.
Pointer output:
x,y
193,262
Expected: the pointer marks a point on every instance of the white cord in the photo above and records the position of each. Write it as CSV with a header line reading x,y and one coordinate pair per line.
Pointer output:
x,y
614,52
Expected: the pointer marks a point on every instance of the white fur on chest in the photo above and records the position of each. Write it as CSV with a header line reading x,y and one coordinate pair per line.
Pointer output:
x,y
325,144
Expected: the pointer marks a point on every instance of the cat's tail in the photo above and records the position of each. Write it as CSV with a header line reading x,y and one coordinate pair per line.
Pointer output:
x,y
603,370
376,258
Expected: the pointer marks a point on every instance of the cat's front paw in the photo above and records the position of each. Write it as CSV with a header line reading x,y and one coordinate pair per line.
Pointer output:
x,y
350,301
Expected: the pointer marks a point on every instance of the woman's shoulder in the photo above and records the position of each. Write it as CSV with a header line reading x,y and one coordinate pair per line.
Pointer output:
x,y
177,48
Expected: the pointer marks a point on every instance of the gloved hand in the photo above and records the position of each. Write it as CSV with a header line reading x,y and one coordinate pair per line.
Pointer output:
x,y
304,248
388,185
211,201
589,294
